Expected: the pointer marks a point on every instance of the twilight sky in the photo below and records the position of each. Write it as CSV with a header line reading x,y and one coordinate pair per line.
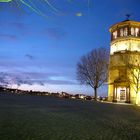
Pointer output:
x,y
40,48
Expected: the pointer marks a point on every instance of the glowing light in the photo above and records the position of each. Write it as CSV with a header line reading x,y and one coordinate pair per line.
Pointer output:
x,y
34,7
121,94
120,46
79,14
131,45
54,8
125,32
121,32
137,31
81,96
132,31
6,0
115,34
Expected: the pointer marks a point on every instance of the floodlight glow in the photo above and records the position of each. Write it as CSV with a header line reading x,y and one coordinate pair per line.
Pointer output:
x,y
6,0
35,8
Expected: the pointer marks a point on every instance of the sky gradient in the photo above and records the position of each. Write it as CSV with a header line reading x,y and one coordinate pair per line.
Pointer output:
x,y
41,51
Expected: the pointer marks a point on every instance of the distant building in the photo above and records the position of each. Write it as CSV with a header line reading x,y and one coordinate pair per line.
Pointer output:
x,y
80,96
65,95
125,42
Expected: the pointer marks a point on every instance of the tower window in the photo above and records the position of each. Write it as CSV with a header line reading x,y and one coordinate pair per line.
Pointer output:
x,y
125,32
132,31
121,32
115,34
136,31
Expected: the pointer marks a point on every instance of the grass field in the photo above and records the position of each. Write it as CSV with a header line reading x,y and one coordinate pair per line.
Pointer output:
x,y
48,118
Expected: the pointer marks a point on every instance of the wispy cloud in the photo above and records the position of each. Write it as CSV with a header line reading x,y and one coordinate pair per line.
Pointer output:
x,y
17,25
29,56
31,78
8,37
55,33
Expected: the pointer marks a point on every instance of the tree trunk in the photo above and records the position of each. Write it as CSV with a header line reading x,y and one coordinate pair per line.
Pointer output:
x,y
137,99
95,93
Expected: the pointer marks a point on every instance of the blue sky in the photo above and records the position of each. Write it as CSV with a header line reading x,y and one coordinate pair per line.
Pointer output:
x,y
43,50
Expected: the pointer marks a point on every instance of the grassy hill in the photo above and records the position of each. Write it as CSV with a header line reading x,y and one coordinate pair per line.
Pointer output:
x,y
49,118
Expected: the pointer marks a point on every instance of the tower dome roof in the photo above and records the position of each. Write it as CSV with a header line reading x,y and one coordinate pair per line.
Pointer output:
x,y
124,23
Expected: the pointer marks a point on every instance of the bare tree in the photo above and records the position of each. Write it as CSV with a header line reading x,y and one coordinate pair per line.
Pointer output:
x,y
92,69
132,63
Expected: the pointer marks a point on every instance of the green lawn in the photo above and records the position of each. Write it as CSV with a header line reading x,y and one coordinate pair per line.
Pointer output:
x,y
48,118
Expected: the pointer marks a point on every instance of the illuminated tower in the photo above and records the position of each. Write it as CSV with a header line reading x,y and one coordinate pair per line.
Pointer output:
x,y
125,40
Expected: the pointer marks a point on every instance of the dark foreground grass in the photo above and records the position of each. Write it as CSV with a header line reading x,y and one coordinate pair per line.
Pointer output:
x,y
46,118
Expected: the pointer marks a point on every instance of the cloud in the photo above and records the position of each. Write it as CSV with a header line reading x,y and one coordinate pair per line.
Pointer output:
x,y
31,78
61,82
19,25
55,33
8,37
31,57
11,78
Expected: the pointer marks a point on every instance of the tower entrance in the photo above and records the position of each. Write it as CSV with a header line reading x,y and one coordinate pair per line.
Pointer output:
x,y
121,94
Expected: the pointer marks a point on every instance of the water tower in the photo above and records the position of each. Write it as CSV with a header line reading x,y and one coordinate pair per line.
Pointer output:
x,y
125,41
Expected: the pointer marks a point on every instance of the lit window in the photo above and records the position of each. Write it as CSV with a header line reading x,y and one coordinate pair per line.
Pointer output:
x,y
121,32
125,32
132,31
136,31
115,34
